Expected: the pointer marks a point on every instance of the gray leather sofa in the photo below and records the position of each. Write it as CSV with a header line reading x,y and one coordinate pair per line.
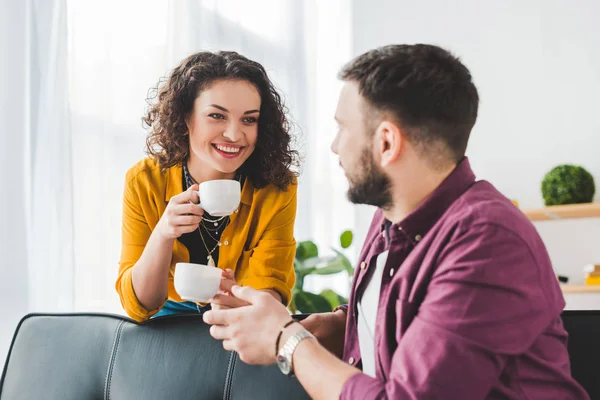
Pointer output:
x,y
99,356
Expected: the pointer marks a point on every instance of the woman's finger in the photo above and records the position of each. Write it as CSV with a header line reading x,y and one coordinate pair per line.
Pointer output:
x,y
215,306
226,284
188,209
185,197
194,198
229,274
180,230
185,220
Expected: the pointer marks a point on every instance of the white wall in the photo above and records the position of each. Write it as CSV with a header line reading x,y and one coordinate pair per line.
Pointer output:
x,y
537,67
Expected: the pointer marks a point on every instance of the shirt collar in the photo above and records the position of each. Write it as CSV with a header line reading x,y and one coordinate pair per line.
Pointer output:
x,y
174,185
420,220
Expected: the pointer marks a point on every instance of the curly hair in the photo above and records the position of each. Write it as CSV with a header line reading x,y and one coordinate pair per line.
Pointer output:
x,y
273,159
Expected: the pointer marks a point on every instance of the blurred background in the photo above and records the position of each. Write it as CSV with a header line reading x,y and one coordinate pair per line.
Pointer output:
x,y
74,76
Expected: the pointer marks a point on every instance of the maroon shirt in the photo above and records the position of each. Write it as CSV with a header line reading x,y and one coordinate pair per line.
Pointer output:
x,y
469,305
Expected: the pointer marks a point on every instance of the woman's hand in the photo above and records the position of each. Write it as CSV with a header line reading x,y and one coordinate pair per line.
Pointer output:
x,y
224,299
182,215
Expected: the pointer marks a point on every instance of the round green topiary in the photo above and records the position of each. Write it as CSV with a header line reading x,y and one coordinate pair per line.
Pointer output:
x,y
568,184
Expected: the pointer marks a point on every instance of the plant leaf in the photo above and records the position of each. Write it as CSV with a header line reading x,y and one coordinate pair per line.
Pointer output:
x,y
292,306
307,249
332,297
347,264
307,302
346,239
333,267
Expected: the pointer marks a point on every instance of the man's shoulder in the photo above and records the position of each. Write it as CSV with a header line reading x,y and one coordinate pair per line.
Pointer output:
x,y
483,204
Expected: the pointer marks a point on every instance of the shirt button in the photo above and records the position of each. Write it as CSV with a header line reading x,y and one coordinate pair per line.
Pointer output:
x,y
418,237
226,243
363,265
392,272
399,228
351,360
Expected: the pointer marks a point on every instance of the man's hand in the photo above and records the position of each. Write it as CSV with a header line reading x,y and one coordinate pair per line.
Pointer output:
x,y
252,330
330,329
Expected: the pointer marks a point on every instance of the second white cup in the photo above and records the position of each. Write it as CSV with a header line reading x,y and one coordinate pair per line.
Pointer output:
x,y
197,282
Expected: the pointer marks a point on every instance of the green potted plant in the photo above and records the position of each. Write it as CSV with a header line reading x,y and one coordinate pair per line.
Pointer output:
x,y
309,262
568,184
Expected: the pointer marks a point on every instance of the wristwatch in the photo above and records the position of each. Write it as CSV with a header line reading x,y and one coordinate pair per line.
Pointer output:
x,y
284,357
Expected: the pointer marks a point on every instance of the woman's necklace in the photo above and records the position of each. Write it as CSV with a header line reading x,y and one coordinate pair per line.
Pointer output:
x,y
218,223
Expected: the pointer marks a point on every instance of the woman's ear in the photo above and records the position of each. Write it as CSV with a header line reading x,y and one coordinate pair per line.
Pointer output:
x,y
187,120
390,142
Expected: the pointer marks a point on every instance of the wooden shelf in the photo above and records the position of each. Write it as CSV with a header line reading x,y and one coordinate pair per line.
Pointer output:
x,y
570,211
580,288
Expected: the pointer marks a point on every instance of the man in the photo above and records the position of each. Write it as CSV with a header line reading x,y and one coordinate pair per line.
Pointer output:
x,y
454,296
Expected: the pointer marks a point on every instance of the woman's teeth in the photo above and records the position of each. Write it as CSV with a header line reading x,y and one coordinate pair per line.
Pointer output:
x,y
228,149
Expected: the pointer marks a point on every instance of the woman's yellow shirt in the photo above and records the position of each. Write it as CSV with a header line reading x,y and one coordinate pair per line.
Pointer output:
x,y
260,236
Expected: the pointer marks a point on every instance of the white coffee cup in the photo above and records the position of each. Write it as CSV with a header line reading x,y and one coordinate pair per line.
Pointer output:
x,y
197,282
220,197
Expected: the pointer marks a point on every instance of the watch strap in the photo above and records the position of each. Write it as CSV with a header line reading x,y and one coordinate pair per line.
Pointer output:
x,y
290,345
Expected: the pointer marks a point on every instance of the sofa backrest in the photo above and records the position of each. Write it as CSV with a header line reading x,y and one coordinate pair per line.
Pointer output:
x,y
100,356
584,351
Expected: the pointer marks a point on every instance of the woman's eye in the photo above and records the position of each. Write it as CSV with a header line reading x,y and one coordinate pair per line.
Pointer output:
x,y
216,116
250,120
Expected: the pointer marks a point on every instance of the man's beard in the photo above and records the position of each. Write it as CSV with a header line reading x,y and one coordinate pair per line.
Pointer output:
x,y
371,185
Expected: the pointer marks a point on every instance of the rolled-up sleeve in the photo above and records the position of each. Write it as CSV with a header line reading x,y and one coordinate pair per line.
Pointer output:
x,y
135,233
484,303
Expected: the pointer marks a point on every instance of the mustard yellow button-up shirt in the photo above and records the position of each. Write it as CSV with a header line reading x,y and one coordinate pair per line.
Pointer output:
x,y
260,236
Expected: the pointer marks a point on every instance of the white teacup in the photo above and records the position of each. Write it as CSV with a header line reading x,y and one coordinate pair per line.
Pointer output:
x,y
220,197
197,282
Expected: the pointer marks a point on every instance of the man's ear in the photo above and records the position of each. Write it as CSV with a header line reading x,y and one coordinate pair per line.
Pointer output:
x,y
390,142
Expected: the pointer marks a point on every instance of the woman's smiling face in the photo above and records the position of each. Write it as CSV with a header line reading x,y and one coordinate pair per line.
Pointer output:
x,y
223,126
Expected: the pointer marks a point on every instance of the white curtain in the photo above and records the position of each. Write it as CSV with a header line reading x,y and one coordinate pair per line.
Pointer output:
x,y
78,76
13,110
36,241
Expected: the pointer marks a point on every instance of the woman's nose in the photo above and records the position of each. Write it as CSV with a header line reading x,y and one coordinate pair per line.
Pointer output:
x,y
233,132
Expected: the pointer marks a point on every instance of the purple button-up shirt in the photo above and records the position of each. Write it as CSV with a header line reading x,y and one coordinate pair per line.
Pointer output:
x,y
469,305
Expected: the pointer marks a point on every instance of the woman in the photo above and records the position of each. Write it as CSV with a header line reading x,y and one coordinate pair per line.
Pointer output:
x,y
218,116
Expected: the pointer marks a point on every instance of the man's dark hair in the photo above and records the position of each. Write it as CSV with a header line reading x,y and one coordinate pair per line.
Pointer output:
x,y
427,91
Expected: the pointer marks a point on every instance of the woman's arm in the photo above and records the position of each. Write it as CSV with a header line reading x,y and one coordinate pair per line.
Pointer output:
x,y
146,254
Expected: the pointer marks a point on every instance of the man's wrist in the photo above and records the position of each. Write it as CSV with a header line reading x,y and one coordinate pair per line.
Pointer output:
x,y
343,307
295,335
289,332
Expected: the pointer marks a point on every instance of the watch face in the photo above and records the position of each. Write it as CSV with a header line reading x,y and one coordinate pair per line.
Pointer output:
x,y
283,364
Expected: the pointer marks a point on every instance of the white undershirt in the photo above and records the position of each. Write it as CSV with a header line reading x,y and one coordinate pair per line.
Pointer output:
x,y
367,316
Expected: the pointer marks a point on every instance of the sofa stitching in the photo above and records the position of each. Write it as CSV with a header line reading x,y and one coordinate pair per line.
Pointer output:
x,y
235,358
111,362
228,377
